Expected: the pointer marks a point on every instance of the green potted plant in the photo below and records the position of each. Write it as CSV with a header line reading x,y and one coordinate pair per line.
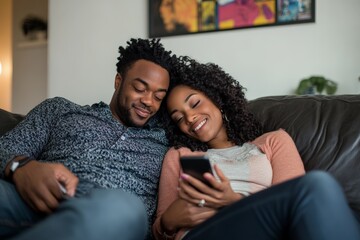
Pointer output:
x,y
316,85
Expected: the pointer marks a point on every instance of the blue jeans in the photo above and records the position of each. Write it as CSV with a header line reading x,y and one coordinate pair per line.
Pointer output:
x,y
102,214
312,207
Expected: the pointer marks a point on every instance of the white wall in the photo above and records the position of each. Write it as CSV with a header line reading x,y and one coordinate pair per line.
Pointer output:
x,y
85,35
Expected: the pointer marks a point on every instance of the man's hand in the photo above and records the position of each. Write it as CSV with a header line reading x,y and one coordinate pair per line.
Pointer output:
x,y
38,184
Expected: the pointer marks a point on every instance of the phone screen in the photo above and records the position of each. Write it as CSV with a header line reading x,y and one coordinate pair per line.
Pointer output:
x,y
196,167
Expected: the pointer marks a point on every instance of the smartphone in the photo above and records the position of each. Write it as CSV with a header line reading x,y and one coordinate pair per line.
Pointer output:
x,y
196,166
63,191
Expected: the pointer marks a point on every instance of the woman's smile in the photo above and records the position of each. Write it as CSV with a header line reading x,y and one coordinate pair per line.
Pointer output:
x,y
198,126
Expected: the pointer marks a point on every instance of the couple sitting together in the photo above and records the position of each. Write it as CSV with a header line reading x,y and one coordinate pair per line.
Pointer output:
x,y
113,171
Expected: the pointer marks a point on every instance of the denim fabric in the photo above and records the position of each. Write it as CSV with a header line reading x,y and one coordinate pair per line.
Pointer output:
x,y
312,207
15,214
102,214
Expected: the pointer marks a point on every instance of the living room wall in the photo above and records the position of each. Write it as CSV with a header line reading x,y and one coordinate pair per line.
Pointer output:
x,y
85,34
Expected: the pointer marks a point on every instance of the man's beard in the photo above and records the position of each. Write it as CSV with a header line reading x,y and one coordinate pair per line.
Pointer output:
x,y
125,115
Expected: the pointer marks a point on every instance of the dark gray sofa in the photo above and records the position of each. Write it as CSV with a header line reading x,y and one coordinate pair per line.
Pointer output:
x,y
326,130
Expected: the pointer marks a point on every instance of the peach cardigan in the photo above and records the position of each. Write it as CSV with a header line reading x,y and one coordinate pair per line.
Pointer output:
x,y
278,146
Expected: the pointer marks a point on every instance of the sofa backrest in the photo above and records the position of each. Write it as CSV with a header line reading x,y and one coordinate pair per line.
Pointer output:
x,y
8,121
326,131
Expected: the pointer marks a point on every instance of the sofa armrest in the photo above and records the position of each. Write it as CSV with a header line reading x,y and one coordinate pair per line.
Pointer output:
x,y
8,121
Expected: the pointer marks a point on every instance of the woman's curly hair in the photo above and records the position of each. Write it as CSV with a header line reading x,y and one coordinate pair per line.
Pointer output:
x,y
226,93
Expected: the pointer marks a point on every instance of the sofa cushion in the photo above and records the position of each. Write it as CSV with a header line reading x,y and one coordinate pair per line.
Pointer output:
x,y
8,121
326,131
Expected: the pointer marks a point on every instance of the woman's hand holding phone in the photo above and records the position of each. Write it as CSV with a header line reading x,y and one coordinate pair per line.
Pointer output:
x,y
182,214
217,196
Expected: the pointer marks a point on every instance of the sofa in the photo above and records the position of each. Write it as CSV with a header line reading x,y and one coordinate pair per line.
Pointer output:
x,y
326,131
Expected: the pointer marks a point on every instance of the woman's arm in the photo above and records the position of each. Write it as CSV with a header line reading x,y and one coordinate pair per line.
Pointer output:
x,y
167,188
173,213
284,157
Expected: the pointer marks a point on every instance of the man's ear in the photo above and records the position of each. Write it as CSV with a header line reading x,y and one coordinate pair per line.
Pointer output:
x,y
118,80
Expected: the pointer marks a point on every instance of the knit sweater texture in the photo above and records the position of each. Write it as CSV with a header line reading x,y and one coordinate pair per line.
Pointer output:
x,y
92,144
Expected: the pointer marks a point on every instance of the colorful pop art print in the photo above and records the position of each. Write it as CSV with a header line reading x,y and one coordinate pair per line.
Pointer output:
x,y
177,17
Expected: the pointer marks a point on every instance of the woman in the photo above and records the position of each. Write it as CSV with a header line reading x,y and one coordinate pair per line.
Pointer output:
x,y
210,117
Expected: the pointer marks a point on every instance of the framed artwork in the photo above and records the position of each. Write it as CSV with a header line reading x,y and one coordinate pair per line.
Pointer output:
x,y
177,17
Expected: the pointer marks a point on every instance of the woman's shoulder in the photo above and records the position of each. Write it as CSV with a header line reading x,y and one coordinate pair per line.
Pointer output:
x,y
277,135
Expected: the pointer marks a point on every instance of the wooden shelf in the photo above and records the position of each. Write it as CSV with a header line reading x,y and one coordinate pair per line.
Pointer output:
x,y
32,44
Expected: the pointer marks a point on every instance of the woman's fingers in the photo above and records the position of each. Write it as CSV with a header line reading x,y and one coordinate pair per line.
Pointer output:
x,y
217,196
194,194
202,187
189,193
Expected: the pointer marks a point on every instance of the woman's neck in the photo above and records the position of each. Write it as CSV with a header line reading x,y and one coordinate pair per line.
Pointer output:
x,y
222,144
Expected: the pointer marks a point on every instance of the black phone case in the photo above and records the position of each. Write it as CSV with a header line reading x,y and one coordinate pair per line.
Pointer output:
x,y
196,167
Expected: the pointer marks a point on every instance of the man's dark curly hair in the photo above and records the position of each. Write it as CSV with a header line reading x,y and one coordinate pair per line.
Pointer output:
x,y
226,93
150,50
147,49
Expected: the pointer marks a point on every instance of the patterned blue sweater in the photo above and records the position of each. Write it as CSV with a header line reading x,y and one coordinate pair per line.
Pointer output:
x,y
95,146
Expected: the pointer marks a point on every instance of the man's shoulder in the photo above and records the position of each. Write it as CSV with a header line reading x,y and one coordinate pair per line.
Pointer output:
x,y
100,104
54,107
64,103
60,101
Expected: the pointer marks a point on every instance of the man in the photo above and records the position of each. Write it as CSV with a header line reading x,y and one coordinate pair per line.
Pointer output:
x,y
69,171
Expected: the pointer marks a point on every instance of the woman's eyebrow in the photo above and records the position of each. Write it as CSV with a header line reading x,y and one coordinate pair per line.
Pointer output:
x,y
186,99
173,111
190,95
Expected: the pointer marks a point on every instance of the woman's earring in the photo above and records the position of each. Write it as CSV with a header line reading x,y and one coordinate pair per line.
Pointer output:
x,y
224,116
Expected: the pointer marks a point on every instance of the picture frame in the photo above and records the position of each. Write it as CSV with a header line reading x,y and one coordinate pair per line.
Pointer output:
x,y
180,17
